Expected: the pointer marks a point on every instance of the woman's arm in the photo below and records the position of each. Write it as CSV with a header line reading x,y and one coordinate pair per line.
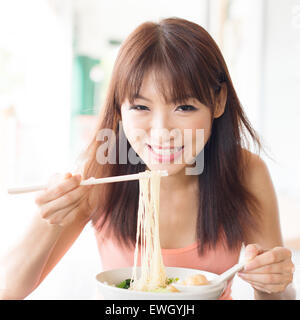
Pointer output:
x,y
57,223
270,271
26,265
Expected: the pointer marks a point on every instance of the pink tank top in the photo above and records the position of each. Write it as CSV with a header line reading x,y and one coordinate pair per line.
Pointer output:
x,y
215,260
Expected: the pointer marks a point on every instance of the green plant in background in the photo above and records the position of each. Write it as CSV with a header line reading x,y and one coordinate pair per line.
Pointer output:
x,y
86,85
85,90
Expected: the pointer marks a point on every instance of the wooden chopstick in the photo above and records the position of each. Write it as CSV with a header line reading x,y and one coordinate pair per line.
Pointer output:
x,y
128,177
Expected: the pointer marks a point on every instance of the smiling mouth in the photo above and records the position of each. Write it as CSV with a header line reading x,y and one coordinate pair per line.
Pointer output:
x,y
165,153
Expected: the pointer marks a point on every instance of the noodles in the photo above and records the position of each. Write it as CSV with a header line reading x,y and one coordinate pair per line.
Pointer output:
x,y
153,274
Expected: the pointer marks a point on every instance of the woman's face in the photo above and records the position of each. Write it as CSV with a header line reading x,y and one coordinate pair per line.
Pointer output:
x,y
164,135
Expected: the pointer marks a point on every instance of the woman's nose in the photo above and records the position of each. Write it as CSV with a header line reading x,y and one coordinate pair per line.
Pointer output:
x,y
160,129
159,122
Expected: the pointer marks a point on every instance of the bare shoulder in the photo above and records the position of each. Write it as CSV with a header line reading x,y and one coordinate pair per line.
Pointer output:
x,y
258,181
257,174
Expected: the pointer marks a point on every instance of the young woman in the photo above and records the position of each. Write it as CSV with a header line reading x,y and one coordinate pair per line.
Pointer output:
x,y
168,77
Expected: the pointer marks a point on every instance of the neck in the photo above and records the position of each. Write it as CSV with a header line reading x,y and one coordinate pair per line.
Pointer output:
x,y
178,199
177,182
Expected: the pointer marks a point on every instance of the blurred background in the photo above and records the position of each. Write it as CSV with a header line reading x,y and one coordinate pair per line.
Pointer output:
x,y
56,58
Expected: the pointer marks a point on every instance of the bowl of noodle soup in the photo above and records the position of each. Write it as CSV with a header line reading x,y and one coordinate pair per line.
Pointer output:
x,y
151,280
107,282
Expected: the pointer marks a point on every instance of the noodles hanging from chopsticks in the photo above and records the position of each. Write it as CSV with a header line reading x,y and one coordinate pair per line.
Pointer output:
x,y
153,274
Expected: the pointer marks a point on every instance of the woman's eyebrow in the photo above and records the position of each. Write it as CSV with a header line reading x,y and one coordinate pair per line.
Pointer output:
x,y
183,100
138,96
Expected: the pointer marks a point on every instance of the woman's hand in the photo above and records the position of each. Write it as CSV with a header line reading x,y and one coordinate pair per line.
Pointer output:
x,y
64,200
268,271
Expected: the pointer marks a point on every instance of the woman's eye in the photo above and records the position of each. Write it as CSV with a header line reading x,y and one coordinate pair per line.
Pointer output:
x,y
186,108
138,107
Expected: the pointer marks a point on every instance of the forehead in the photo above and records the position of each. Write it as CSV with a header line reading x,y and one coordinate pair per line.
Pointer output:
x,y
156,86
149,88
149,84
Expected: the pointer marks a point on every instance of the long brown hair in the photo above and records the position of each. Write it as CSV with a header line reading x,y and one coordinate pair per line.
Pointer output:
x,y
186,62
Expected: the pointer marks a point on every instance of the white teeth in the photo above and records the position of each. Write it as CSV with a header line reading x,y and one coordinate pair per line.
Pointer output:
x,y
166,152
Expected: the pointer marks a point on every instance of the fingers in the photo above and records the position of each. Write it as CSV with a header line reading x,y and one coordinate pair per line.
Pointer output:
x,y
58,177
67,175
267,278
269,257
69,217
62,217
62,198
252,250
285,266
58,186
268,288
260,288
269,270
65,201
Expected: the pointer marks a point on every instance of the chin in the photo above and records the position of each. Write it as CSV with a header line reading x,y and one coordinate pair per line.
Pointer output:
x,y
172,169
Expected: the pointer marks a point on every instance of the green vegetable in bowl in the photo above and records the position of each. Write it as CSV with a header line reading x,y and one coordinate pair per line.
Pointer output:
x,y
124,284
172,280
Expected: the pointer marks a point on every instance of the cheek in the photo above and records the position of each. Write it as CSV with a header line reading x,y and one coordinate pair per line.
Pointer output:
x,y
206,126
203,123
127,125
201,129
126,128
135,134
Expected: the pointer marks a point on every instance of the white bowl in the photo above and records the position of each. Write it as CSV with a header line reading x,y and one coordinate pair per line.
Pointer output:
x,y
106,279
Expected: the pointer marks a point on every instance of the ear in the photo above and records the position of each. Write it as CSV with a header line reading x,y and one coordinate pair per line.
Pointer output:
x,y
221,101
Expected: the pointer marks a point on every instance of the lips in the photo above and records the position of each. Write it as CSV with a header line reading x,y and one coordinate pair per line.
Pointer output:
x,y
165,154
165,151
